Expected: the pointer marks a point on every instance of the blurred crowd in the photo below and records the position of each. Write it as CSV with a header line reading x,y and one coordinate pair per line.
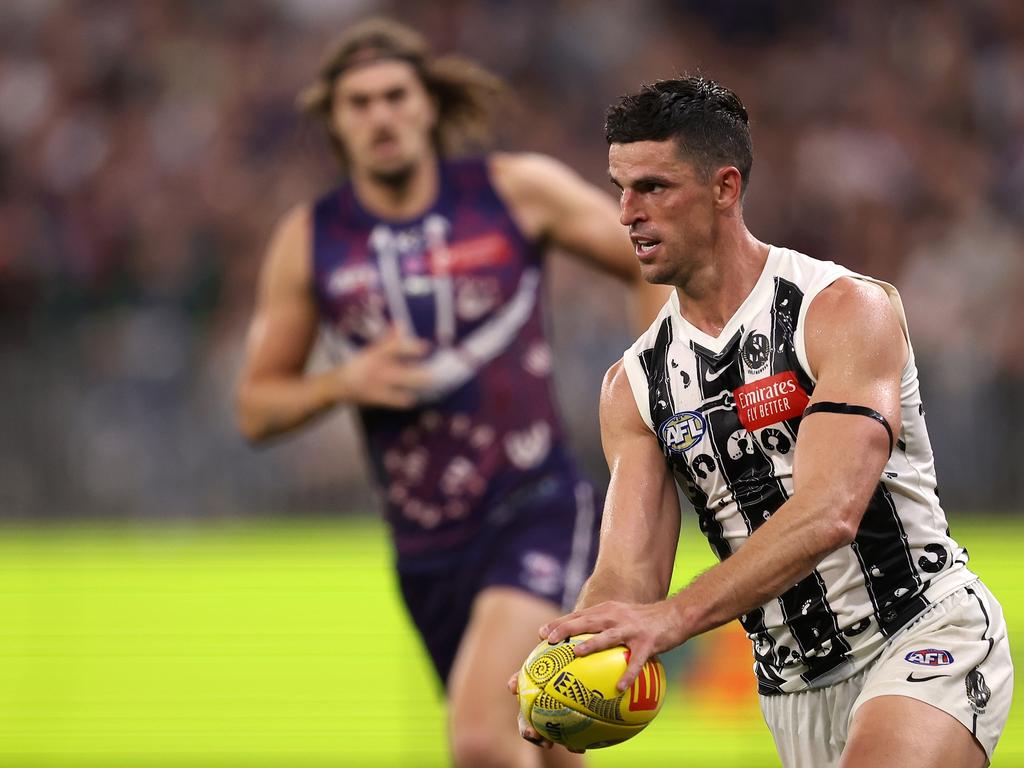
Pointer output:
x,y
147,148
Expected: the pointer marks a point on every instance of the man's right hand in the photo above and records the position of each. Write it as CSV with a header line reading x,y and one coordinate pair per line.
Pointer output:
x,y
387,373
526,730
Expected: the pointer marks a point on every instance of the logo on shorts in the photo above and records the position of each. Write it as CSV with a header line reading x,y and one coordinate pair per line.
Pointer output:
x,y
681,432
978,693
541,573
912,679
930,657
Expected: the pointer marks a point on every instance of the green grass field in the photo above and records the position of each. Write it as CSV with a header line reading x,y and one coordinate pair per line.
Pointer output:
x,y
276,644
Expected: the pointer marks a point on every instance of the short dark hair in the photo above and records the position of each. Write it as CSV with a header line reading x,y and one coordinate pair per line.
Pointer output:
x,y
706,119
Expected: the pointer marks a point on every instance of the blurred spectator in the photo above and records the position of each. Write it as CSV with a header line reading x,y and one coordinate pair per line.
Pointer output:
x,y
146,149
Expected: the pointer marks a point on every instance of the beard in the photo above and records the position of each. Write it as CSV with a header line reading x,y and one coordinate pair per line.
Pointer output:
x,y
393,178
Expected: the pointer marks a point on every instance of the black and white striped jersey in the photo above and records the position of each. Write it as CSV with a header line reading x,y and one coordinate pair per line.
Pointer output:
x,y
726,411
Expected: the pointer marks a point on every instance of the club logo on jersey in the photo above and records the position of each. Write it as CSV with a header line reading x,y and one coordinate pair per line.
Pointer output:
x,y
769,401
681,432
352,278
756,352
930,657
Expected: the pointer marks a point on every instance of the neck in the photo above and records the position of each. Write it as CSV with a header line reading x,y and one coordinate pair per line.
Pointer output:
x,y
398,196
710,295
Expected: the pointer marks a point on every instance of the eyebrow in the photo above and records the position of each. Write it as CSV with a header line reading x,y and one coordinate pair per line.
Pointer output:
x,y
372,93
662,181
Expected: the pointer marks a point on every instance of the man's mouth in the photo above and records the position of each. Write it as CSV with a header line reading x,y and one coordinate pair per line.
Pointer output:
x,y
644,246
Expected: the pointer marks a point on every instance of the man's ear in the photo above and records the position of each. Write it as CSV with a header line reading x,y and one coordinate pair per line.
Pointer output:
x,y
727,187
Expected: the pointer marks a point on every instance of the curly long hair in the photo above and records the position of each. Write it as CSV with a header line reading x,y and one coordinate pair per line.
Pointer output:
x,y
466,93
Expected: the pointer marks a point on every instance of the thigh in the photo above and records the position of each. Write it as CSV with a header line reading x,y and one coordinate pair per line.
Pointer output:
x,y
533,566
544,546
948,677
810,728
439,604
901,732
549,549
502,631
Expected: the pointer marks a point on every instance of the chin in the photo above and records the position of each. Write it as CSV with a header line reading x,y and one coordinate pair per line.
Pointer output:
x,y
393,174
655,274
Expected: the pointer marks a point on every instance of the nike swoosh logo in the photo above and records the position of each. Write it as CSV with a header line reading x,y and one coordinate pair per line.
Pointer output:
x,y
912,679
712,374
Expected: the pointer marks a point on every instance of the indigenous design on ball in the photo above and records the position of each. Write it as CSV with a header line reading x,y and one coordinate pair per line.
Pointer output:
x,y
575,701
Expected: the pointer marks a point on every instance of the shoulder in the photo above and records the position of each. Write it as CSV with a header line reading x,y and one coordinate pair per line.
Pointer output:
x,y
288,256
622,411
523,178
615,379
616,391
851,299
853,318
533,186
295,222
531,170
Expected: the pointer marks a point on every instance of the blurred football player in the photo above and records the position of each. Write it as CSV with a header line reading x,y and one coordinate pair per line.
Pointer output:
x,y
425,270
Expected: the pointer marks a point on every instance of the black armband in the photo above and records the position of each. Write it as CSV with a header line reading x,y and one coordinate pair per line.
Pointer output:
x,y
856,410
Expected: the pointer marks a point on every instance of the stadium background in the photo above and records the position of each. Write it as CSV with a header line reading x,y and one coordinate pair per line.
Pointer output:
x,y
171,596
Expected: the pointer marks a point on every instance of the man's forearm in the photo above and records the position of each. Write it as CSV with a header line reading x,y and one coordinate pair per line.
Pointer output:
x,y
270,407
778,555
606,585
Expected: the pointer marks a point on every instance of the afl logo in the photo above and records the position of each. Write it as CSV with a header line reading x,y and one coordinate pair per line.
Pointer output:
x,y
930,657
681,432
755,351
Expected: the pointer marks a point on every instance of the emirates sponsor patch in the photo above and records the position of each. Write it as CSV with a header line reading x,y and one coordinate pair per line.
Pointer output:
x,y
768,401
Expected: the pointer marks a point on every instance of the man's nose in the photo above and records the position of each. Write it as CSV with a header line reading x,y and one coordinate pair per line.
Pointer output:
x,y
630,210
381,112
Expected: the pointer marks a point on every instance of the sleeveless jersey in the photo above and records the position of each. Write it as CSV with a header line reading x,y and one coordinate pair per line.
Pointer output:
x,y
463,277
726,412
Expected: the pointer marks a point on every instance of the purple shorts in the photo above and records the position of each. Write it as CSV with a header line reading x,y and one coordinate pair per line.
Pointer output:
x,y
541,540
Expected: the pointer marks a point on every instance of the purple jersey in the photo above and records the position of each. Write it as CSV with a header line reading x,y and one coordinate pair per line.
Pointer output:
x,y
463,277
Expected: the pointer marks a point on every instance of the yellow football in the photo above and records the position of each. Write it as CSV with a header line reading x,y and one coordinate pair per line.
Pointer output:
x,y
572,700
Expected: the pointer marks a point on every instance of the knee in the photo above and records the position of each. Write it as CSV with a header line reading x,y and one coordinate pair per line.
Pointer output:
x,y
477,746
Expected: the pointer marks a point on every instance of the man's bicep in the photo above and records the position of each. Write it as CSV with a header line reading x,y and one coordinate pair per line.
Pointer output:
x,y
857,350
640,527
284,323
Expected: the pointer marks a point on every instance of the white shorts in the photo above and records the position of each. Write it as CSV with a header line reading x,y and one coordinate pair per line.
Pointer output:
x,y
955,657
